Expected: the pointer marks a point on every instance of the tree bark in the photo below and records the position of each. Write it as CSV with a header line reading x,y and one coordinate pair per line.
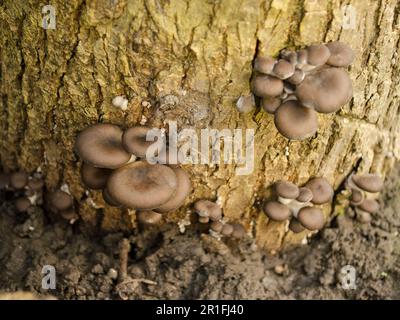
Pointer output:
x,y
191,60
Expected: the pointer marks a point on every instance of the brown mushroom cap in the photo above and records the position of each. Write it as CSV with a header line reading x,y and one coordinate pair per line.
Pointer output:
x,y
238,231
297,77
216,226
227,229
36,184
276,211
148,217
93,177
317,55
295,226
134,140
18,180
22,204
60,200
140,185
246,104
369,205
363,216
321,189
325,90
369,182
69,214
294,121
101,146
267,86
270,104
357,197
311,218
109,200
182,191
204,219
206,208
264,64
341,54
305,195
283,69
4,180
286,189
302,56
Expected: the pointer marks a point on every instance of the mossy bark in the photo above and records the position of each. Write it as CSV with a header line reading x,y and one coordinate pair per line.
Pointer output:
x,y
191,60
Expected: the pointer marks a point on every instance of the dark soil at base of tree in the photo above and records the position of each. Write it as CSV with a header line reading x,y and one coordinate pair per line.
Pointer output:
x,y
165,264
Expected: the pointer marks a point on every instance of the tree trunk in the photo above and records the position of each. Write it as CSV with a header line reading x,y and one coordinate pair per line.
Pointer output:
x,y
191,60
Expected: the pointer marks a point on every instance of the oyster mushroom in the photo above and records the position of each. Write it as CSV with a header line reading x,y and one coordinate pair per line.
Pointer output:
x,y
140,185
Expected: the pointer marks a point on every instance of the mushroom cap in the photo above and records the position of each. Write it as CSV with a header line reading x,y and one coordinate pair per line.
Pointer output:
x,y
109,200
140,185
216,226
101,146
270,104
227,229
267,86
4,180
93,177
204,219
182,191
18,180
290,56
311,218
264,64
369,182
357,197
283,69
325,90
148,217
294,121
134,140
297,77
305,195
295,226
276,211
36,184
206,208
238,231
369,205
61,200
302,56
246,104
363,216
69,214
341,54
286,189
321,189
317,54
22,204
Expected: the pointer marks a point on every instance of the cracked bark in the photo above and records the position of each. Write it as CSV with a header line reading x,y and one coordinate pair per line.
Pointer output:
x,y
192,60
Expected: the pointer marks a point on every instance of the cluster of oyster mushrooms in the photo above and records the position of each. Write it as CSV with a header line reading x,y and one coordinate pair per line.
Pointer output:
x,y
114,162
28,191
299,204
210,212
364,189
24,190
301,84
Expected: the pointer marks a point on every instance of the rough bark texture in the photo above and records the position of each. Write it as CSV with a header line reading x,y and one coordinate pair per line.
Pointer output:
x,y
192,60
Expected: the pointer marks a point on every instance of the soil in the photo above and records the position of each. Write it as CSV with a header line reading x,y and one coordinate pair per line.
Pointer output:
x,y
162,263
